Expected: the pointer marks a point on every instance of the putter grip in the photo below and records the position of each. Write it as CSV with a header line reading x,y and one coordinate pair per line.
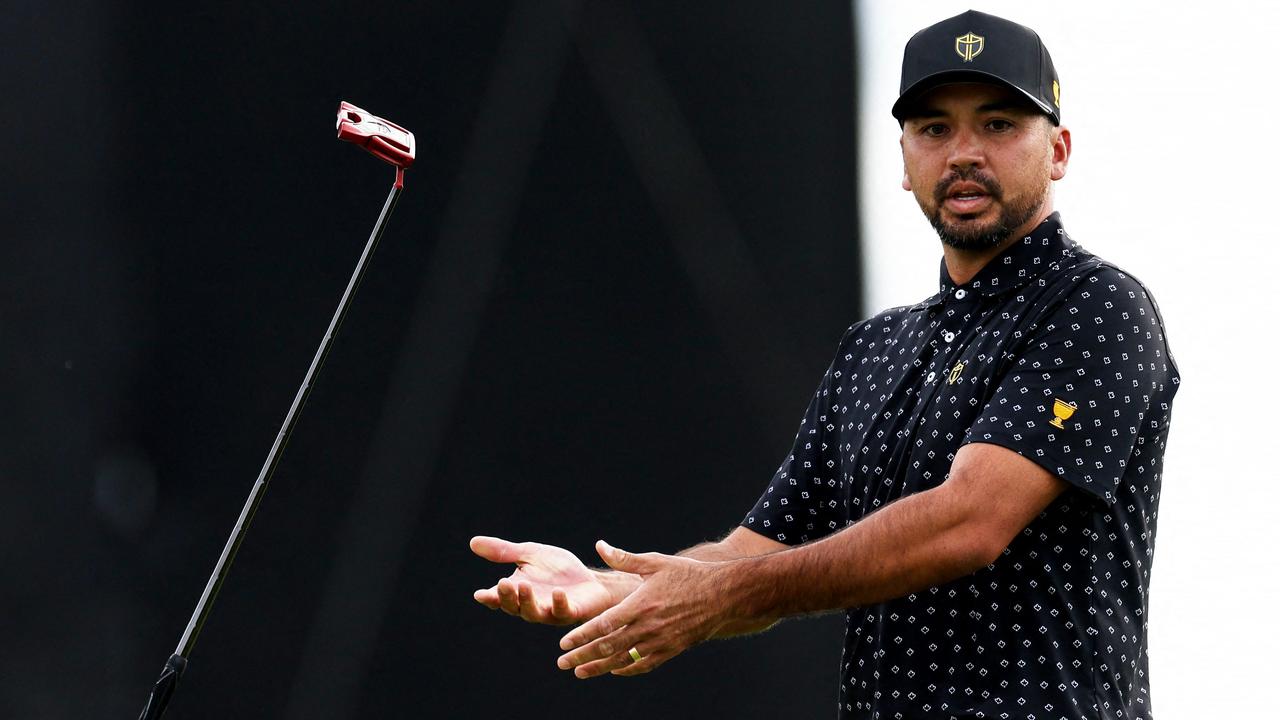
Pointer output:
x,y
163,689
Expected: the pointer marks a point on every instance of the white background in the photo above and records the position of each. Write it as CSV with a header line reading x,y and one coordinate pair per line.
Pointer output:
x,y
1175,176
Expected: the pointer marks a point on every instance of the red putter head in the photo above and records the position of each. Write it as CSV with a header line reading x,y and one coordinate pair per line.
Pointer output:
x,y
382,138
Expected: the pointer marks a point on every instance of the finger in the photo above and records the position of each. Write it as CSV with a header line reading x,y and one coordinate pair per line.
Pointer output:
x,y
605,623
488,597
616,558
560,607
529,609
619,559
603,655
648,663
614,663
496,549
507,597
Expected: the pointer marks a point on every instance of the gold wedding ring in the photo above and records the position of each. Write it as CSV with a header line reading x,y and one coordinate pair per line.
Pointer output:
x,y
635,655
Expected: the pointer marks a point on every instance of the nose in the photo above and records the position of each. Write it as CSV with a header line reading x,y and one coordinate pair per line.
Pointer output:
x,y
966,150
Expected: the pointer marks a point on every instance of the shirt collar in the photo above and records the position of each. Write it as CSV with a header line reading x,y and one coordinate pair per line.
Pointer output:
x,y
1020,263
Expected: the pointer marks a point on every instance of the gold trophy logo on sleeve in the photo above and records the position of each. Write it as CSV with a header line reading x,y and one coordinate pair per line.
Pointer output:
x,y
1062,410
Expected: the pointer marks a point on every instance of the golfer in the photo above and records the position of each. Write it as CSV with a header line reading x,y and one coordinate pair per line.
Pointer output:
x,y
975,482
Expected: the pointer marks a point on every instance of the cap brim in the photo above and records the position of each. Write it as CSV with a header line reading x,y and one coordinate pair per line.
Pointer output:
x,y
947,77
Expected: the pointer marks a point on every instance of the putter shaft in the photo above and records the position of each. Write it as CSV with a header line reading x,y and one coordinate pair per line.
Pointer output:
x,y
174,667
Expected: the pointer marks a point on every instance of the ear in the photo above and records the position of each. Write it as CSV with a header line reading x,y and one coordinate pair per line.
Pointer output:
x,y
906,181
1061,153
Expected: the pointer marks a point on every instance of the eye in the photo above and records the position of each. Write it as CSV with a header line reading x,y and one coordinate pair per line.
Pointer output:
x,y
1000,125
934,130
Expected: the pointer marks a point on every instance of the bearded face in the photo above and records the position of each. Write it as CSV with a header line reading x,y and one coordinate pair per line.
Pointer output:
x,y
979,159
977,230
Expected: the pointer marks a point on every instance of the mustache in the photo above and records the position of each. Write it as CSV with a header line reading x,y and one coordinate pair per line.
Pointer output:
x,y
990,185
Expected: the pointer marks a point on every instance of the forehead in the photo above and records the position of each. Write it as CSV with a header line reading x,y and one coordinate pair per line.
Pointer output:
x,y
956,98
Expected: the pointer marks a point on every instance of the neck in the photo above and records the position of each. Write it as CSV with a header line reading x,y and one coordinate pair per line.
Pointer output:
x,y
963,265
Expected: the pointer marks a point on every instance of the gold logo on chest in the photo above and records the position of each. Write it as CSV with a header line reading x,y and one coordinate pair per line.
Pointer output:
x,y
955,373
1062,410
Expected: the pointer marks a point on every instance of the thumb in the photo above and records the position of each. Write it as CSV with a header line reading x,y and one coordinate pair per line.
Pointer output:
x,y
496,549
619,559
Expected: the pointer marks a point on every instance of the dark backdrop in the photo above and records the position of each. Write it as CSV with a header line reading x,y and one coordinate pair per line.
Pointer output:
x,y
619,267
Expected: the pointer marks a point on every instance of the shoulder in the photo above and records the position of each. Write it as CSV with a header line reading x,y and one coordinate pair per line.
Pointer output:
x,y
1113,293
888,318
1099,310
869,333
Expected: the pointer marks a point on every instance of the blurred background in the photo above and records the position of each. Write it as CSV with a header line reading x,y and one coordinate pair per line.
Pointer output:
x,y
632,237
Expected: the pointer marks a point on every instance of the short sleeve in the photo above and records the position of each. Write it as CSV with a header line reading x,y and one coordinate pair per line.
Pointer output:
x,y
1094,378
806,500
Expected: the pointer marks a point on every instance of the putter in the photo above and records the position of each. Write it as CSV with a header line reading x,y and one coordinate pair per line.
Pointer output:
x,y
395,145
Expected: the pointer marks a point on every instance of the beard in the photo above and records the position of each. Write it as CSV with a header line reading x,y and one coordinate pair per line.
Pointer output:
x,y
971,235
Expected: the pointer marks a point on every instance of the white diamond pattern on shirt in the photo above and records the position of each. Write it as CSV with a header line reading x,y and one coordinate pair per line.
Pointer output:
x,y
1054,354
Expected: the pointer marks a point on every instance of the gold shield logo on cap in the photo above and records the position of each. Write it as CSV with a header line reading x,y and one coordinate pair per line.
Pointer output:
x,y
969,46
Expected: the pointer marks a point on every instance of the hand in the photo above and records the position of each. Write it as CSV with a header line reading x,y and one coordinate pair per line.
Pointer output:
x,y
550,585
680,604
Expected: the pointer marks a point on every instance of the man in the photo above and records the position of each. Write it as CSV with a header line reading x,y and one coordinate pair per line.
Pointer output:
x,y
977,476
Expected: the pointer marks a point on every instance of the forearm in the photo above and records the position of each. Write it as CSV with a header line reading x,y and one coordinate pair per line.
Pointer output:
x,y
735,546
732,547
716,551
915,543
924,540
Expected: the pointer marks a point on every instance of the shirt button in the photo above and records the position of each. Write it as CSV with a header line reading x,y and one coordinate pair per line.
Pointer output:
x,y
948,336
932,375
960,294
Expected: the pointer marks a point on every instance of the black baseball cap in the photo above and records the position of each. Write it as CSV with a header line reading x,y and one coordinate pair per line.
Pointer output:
x,y
977,47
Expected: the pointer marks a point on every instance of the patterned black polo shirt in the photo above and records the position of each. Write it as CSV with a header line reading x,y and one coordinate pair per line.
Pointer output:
x,y
1061,357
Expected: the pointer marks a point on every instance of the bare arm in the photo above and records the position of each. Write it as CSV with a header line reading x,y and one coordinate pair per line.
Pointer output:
x,y
917,542
920,541
741,543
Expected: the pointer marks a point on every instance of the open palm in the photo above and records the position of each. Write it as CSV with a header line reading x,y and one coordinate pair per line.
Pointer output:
x,y
550,584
